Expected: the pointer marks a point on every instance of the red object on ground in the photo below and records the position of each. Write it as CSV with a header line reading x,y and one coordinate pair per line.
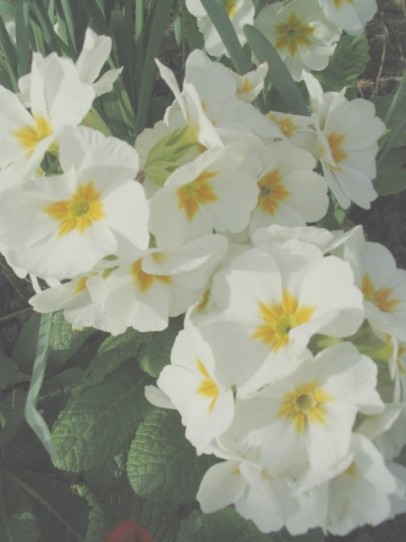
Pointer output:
x,y
128,530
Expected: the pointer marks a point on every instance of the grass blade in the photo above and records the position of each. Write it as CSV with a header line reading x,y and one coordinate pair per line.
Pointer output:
x,y
159,20
221,21
23,37
44,22
10,55
139,41
278,74
32,416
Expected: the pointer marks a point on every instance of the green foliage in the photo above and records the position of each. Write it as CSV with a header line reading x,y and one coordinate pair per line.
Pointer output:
x,y
156,353
17,521
61,514
222,23
391,172
8,371
345,66
64,342
190,29
98,423
225,525
162,464
278,74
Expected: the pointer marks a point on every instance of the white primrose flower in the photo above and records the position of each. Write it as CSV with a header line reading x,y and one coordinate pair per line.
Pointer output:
x,y
290,193
61,226
354,492
382,284
144,291
241,12
271,302
58,98
217,89
94,54
191,382
296,128
217,190
307,418
349,15
300,33
257,494
189,107
73,298
347,134
250,84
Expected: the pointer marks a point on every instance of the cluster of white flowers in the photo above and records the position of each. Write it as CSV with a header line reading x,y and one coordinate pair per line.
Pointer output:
x,y
304,34
291,365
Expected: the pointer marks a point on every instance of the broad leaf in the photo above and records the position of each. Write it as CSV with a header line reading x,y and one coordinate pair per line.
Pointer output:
x,y
347,63
156,353
100,422
278,74
391,173
162,464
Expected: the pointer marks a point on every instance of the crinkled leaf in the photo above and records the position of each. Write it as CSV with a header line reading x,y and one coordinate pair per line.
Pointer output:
x,y
162,464
391,173
100,422
226,525
392,110
113,352
64,341
17,521
347,63
162,522
8,371
156,353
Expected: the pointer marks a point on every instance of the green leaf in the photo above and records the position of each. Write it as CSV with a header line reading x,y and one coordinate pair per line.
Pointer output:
x,y
7,48
23,37
156,31
124,42
113,352
391,173
156,353
62,515
162,464
347,63
8,371
392,110
100,422
278,74
17,522
32,415
12,414
221,21
226,525
190,29
96,524
64,341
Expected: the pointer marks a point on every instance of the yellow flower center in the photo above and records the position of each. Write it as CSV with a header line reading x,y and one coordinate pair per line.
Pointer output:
x,y
272,192
198,192
80,212
208,388
143,280
305,404
293,34
335,142
230,6
380,297
81,285
29,136
339,3
279,319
